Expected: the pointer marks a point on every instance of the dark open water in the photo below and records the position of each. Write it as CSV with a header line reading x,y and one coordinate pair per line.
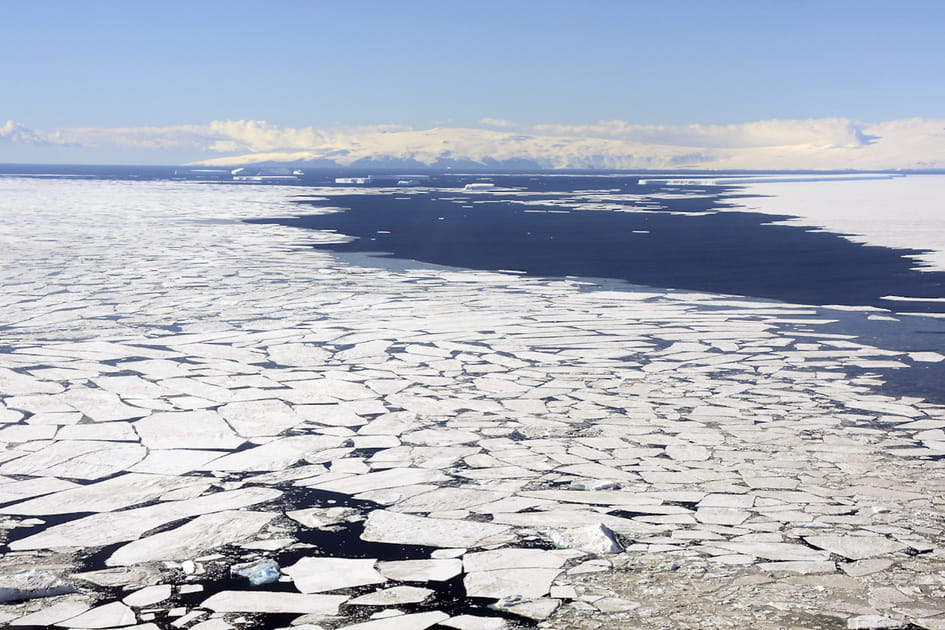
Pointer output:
x,y
692,242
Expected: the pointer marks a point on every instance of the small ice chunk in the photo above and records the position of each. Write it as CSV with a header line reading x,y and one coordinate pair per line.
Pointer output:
x,y
721,516
506,582
263,571
393,596
421,570
472,622
416,621
148,595
324,518
874,622
268,544
598,539
595,484
537,609
615,604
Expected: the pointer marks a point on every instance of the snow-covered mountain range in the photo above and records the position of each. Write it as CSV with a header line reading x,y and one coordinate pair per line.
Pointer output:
x,y
831,143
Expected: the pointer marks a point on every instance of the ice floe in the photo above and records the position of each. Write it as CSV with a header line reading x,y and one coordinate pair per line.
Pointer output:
x,y
579,455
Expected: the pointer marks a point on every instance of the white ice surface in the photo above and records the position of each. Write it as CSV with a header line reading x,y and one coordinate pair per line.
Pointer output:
x,y
110,527
187,541
105,616
438,570
317,575
903,212
393,596
475,393
274,602
390,527
187,429
415,621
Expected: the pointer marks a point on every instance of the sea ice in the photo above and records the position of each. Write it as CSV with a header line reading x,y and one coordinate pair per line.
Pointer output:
x,y
186,429
537,609
112,494
110,431
106,616
391,478
264,571
64,608
148,596
774,551
477,394
298,355
30,584
405,529
16,384
473,622
436,570
508,581
316,575
187,541
511,558
279,454
113,527
394,596
29,488
856,547
77,460
259,417
274,602
596,538
415,621
100,405
443,499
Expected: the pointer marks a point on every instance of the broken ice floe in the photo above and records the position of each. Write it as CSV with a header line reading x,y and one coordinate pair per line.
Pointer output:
x,y
171,419
29,584
597,539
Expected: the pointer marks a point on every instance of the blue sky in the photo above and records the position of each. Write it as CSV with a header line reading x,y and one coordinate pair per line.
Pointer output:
x,y
331,65
422,63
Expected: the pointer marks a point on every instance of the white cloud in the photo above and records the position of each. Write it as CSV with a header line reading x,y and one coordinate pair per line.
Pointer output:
x,y
765,133
15,132
830,143
192,137
258,135
496,122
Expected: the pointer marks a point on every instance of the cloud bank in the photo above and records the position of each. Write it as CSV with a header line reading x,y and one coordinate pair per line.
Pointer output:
x,y
829,143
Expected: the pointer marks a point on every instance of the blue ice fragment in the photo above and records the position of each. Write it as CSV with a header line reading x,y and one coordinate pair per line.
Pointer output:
x,y
260,572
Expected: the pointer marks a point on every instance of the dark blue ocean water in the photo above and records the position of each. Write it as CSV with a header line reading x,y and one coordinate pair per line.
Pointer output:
x,y
688,244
